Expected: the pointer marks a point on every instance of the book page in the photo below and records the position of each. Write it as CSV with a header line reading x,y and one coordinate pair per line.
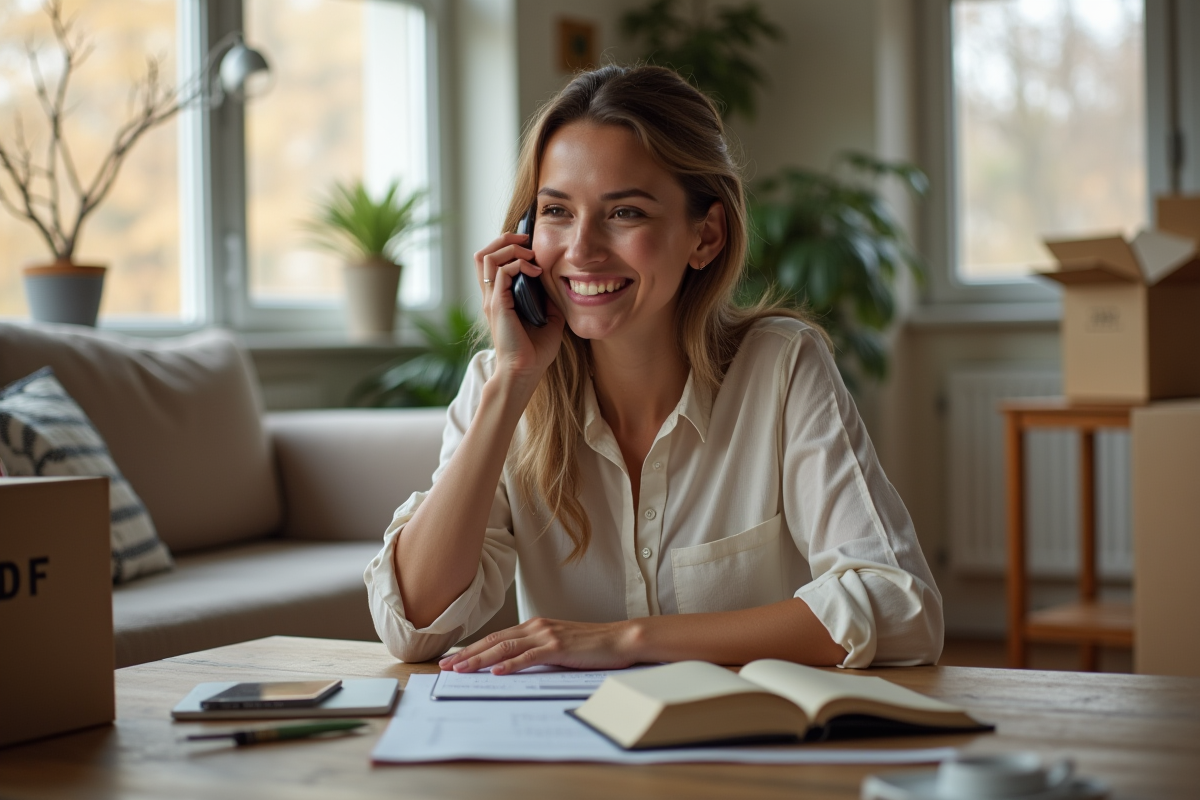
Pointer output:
x,y
686,682
814,689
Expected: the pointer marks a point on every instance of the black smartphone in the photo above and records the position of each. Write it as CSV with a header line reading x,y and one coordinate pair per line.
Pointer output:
x,y
272,694
529,295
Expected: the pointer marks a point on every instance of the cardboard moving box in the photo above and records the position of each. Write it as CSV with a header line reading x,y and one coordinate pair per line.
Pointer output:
x,y
55,606
1131,310
1165,439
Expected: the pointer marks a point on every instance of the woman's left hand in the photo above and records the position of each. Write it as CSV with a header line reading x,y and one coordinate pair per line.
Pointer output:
x,y
579,645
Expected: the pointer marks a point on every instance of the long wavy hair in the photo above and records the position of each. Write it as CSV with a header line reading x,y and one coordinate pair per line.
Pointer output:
x,y
682,131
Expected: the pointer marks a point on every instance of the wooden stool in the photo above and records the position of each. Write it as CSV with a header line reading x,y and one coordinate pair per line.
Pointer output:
x,y
1087,623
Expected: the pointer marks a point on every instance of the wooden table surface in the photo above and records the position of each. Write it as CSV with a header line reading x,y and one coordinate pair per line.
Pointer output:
x,y
1140,733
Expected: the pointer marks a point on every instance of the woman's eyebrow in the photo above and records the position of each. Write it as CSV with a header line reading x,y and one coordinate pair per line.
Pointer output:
x,y
607,197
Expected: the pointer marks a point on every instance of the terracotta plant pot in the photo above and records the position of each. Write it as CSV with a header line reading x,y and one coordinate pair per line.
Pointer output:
x,y
371,288
64,292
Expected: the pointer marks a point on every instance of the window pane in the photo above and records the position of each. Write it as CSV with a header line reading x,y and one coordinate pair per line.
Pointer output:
x,y
1049,123
348,102
135,231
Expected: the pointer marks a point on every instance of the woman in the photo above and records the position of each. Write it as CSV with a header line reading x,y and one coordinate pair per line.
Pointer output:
x,y
669,476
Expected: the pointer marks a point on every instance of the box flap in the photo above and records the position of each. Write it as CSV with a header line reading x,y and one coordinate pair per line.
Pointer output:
x,y
1160,254
1104,259
1178,214
1076,272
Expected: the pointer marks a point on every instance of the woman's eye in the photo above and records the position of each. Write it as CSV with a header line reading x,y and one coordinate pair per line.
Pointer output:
x,y
628,213
552,211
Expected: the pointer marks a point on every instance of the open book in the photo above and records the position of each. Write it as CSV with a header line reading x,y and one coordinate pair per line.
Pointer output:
x,y
693,702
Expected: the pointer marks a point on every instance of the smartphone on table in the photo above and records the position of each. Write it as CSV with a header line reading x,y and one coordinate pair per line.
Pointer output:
x,y
272,694
529,295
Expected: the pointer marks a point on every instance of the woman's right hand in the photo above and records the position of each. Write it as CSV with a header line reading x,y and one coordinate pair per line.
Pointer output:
x,y
523,352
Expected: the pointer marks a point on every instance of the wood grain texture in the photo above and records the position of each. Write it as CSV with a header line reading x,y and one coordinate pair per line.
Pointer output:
x,y
1140,733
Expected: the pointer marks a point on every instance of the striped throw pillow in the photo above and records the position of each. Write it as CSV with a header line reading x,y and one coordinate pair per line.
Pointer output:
x,y
44,432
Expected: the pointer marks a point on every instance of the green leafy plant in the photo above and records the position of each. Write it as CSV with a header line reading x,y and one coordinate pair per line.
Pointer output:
x,y
429,379
828,243
712,53
355,225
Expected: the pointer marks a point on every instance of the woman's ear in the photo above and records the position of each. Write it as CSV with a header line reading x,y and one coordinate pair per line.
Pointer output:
x,y
713,233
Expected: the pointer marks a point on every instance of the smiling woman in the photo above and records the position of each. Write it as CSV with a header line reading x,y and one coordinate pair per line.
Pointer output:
x,y
666,475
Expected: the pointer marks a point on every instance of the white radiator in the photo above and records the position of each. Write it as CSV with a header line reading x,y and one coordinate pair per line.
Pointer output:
x,y
976,482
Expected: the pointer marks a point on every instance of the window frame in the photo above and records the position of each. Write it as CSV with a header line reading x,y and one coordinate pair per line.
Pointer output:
x,y
218,220
939,158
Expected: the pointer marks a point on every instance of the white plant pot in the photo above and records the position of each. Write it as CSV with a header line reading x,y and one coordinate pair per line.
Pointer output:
x,y
371,288
64,292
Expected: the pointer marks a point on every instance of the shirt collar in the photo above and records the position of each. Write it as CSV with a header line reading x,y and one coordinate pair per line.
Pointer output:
x,y
695,406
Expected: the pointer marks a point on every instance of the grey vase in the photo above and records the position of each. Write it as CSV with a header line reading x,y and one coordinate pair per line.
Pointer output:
x,y
64,292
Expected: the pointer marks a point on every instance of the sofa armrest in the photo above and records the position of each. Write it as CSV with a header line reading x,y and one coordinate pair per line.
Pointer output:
x,y
345,471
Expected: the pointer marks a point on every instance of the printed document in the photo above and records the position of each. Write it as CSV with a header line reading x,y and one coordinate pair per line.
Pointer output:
x,y
531,684
425,730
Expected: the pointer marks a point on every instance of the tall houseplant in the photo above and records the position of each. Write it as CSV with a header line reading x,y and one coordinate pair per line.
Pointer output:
x,y
368,233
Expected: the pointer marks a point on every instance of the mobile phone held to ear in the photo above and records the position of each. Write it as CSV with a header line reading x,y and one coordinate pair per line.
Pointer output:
x,y
529,295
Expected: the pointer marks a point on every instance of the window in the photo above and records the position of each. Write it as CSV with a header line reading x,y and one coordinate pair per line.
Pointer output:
x,y
204,224
135,232
1049,127
349,102
1044,118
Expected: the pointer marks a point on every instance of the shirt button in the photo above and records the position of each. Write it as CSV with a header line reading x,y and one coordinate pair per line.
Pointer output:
x,y
646,552
650,513
658,465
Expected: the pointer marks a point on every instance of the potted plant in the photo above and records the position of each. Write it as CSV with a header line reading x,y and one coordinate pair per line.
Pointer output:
x,y
368,232
51,192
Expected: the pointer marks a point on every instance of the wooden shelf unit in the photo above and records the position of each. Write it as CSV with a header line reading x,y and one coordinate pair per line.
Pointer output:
x,y
1087,623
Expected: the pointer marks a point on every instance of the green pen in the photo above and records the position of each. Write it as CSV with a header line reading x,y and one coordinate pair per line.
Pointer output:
x,y
282,732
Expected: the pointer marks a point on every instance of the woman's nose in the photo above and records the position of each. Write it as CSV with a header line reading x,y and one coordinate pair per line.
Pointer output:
x,y
587,244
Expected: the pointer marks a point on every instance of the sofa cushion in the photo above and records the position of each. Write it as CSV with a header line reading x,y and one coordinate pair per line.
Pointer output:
x,y
181,418
233,594
346,471
43,432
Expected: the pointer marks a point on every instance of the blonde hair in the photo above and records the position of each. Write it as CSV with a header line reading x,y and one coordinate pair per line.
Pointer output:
x,y
682,131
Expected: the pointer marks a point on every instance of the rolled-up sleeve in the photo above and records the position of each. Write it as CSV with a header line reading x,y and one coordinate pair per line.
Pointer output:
x,y
871,585
497,563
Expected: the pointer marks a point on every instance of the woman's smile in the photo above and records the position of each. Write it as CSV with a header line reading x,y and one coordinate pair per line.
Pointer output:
x,y
595,290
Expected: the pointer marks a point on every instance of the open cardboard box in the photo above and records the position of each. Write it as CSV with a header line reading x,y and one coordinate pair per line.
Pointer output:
x,y
1131,310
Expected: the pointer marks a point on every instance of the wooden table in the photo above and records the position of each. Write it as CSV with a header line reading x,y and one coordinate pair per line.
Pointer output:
x,y
1141,733
1089,622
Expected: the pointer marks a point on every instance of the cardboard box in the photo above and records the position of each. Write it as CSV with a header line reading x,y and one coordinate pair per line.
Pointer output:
x,y
1131,310
1165,464
55,607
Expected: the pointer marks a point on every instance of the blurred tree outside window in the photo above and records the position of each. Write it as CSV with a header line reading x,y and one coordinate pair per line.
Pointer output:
x,y
349,100
1049,127
135,232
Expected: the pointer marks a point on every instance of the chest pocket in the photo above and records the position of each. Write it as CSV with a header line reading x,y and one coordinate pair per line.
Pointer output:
x,y
737,572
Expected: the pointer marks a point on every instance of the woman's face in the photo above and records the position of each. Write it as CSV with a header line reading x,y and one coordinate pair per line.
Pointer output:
x,y
612,232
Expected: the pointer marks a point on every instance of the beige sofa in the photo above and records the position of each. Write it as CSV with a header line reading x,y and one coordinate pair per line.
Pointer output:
x,y
271,518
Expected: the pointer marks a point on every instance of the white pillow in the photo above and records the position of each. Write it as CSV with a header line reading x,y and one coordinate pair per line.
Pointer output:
x,y
43,432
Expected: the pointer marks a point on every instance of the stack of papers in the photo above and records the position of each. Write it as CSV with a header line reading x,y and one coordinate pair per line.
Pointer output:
x,y
425,729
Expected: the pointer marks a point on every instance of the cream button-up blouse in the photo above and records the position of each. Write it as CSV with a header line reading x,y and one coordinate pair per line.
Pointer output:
x,y
767,491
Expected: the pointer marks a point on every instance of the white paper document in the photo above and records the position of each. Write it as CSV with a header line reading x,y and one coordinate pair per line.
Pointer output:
x,y
424,730
532,684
